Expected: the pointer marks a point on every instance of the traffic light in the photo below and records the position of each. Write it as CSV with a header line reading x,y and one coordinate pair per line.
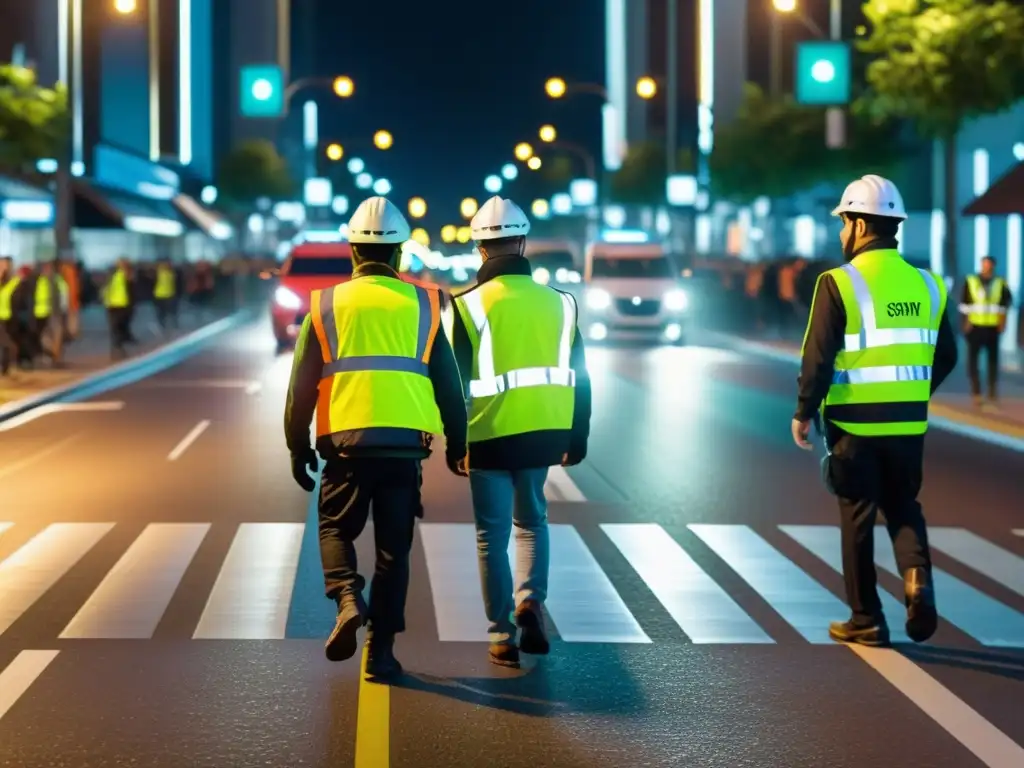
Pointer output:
x,y
823,73
262,91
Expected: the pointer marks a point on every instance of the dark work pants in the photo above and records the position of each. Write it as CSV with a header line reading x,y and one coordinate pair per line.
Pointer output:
x,y
872,475
987,340
348,488
8,346
120,319
166,312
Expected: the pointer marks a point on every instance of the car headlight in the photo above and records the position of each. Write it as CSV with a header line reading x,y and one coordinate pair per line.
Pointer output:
x,y
598,299
676,301
286,299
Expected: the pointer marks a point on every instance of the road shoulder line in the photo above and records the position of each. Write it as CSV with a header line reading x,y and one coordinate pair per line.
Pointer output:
x,y
373,722
20,674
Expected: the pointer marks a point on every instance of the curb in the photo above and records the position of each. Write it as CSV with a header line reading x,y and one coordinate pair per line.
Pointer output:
x,y
129,371
946,423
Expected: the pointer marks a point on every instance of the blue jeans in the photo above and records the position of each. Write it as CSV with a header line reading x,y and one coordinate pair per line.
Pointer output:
x,y
500,499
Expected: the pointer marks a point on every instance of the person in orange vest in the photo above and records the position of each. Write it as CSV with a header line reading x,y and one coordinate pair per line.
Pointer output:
x,y
69,272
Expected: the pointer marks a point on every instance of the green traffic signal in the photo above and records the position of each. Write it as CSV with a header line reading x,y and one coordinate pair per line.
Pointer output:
x,y
823,73
262,91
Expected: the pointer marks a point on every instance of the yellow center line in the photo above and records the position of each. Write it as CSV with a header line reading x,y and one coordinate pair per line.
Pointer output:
x,y
373,722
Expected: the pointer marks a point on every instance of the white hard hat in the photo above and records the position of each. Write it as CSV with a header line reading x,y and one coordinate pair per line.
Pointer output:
x,y
377,220
872,195
498,218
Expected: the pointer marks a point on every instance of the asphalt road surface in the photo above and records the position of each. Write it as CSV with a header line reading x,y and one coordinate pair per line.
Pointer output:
x,y
161,602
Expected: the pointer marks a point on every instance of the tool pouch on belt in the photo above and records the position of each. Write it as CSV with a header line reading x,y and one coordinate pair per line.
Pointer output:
x,y
827,476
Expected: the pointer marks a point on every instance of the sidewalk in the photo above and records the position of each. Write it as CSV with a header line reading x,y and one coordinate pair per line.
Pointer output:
x,y
90,352
953,401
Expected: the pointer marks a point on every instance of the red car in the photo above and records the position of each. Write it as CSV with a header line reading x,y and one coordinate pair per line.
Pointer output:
x,y
310,267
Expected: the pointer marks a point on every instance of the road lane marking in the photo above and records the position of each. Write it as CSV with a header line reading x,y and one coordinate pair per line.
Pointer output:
x,y
245,384
40,563
450,550
373,722
560,487
701,608
823,541
986,620
252,595
20,674
986,742
254,388
582,600
1018,531
130,601
806,605
45,410
31,459
981,555
187,441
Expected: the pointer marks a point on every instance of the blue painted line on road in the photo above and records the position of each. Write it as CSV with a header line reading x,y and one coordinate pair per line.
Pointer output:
x,y
948,425
130,371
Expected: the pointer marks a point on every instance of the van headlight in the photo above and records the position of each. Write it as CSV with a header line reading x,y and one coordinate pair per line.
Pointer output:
x,y
286,299
676,301
598,299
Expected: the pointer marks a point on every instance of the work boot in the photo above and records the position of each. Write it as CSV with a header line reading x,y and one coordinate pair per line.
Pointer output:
x,y
530,620
875,634
342,643
381,664
504,655
922,618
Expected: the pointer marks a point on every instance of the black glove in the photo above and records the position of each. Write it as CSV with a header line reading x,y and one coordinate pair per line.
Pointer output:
x,y
576,455
301,461
458,462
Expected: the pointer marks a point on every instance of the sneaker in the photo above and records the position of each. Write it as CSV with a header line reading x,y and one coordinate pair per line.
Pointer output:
x,y
342,643
875,635
530,620
922,618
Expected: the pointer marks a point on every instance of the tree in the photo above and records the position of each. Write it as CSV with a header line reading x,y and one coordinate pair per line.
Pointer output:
x,y
641,179
33,119
776,148
253,170
941,63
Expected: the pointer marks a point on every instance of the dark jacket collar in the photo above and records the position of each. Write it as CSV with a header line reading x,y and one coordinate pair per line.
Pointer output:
x,y
374,269
502,266
881,244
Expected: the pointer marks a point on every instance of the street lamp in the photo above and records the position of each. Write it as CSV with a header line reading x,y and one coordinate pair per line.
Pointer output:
x,y
417,207
784,6
523,151
533,163
468,208
540,208
381,187
356,166
343,86
555,87
463,234
548,133
449,232
125,6
335,152
647,87
420,236
364,181
509,171
493,184
383,140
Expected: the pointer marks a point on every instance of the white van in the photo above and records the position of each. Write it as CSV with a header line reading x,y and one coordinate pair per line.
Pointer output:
x,y
632,291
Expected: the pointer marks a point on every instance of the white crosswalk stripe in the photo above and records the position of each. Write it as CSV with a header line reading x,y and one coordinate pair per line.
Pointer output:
x,y
251,595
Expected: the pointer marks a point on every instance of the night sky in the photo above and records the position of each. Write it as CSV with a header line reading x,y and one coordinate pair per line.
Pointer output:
x,y
458,83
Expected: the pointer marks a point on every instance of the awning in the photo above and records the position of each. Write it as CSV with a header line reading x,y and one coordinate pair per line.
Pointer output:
x,y
210,222
98,207
1003,198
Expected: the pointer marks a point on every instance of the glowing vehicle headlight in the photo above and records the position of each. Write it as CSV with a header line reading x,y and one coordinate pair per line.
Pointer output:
x,y
598,299
676,301
541,275
286,299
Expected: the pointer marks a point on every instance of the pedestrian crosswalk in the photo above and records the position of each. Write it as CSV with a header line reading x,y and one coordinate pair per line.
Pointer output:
x,y
251,588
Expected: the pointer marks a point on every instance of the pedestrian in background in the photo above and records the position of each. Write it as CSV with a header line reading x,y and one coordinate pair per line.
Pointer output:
x,y
50,300
9,284
521,359
984,303
165,295
118,300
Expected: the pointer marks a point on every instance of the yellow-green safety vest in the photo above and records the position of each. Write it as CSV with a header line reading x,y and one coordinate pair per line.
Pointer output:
x,y
7,297
115,294
43,299
165,283
984,310
376,334
883,374
522,335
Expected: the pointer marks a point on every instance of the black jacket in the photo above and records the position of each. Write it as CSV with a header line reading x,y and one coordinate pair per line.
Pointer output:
x,y
824,340
545,448
303,392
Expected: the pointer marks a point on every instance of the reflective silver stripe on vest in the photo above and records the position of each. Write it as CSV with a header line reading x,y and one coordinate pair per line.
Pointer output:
x,y
982,300
374,362
488,383
982,309
871,336
883,374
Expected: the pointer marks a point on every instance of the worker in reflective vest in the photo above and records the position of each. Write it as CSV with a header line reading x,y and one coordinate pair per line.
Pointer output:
x,y
878,345
165,294
521,358
371,362
49,303
985,301
117,298
9,285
